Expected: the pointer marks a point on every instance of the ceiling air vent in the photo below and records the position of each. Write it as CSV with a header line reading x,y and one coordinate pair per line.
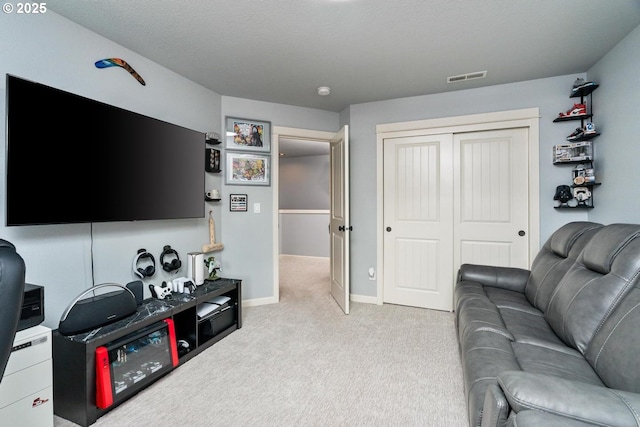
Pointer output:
x,y
468,76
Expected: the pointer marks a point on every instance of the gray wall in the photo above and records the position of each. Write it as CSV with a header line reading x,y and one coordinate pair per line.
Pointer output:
x,y
304,182
67,259
304,234
304,185
249,237
616,113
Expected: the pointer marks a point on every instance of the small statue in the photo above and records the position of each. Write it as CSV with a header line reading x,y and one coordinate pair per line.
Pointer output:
x,y
213,266
563,194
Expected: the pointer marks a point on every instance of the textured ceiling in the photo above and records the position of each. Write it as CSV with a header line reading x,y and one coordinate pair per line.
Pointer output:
x,y
365,50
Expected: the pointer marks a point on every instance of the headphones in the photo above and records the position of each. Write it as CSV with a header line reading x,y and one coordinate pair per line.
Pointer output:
x,y
147,271
174,264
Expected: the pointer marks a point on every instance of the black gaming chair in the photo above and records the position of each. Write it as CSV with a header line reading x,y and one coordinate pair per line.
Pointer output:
x,y
12,274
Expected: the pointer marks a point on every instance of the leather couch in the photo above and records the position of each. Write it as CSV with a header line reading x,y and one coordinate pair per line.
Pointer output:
x,y
12,275
557,345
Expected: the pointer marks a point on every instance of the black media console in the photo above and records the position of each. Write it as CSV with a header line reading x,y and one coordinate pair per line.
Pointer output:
x,y
74,357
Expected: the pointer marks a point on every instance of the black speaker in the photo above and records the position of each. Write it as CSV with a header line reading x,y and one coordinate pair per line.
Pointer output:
x,y
137,289
83,315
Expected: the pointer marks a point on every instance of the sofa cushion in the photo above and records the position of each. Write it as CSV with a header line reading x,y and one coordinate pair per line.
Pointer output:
x,y
527,325
613,352
480,314
555,258
571,399
606,270
540,357
611,240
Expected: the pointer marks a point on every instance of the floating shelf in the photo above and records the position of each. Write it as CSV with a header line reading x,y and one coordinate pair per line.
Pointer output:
x,y
584,91
585,138
571,118
574,207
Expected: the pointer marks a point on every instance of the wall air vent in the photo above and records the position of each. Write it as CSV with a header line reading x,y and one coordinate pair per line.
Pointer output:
x,y
468,76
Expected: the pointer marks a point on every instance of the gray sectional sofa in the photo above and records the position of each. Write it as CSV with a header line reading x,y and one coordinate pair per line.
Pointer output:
x,y
557,345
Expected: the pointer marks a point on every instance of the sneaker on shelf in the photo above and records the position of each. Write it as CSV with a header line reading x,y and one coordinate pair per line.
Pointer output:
x,y
589,128
580,84
576,134
577,110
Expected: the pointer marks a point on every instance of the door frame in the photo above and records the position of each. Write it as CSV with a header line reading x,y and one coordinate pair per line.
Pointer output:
x,y
525,118
278,132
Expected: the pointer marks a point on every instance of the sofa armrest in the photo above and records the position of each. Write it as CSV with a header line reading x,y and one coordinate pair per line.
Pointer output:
x,y
496,408
510,278
587,403
532,418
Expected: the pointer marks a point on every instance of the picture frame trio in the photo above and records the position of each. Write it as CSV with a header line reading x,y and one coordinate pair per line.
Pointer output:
x,y
247,152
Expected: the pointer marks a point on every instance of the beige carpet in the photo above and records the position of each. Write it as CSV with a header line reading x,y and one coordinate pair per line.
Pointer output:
x,y
302,362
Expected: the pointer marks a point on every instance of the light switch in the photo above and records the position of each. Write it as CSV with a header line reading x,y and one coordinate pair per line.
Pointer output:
x,y
256,208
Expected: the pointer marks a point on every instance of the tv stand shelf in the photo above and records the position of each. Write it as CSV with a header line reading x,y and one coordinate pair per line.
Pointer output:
x,y
74,369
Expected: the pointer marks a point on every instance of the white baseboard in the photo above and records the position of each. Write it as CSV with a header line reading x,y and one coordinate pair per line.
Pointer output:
x,y
303,256
364,299
271,300
259,301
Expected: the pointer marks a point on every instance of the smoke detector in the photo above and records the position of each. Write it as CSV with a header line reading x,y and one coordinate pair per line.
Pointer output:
x,y
324,90
468,76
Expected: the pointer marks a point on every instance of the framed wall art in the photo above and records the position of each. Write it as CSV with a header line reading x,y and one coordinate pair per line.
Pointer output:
x,y
248,169
248,135
238,202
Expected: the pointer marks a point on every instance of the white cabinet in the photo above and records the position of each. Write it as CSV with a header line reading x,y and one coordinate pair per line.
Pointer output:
x,y
26,391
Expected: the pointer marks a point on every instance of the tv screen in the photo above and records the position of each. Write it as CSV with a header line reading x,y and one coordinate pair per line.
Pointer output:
x,y
71,159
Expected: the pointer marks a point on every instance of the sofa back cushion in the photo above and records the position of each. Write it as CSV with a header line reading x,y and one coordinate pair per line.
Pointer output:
x,y
613,351
555,258
606,270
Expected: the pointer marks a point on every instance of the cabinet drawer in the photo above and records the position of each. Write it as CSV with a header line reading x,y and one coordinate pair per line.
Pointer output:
x,y
35,410
25,382
36,348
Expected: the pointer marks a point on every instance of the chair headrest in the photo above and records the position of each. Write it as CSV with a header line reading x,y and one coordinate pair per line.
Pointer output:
x,y
564,238
607,243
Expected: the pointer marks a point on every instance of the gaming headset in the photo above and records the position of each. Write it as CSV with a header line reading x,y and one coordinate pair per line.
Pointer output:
x,y
147,271
174,264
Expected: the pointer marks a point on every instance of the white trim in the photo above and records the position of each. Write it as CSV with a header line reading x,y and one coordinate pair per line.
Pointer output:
x,y
527,118
259,301
365,299
472,119
304,256
276,133
305,211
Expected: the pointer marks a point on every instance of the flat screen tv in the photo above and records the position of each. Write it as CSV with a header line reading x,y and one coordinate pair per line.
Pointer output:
x,y
71,159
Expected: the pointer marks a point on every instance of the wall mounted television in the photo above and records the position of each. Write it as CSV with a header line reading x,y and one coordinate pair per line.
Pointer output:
x,y
71,159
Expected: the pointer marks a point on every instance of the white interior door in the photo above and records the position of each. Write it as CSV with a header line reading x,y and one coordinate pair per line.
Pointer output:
x,y
418,221
491,184
339,227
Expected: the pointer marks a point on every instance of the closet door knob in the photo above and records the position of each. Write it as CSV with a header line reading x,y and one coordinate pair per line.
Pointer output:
x,y
521,233
388,228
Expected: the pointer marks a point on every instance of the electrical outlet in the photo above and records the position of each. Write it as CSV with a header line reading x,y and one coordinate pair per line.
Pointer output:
x,y
256,208
372,274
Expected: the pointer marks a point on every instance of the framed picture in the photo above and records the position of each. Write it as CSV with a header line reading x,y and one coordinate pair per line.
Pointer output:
x,y
248,169
238,202
248,135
